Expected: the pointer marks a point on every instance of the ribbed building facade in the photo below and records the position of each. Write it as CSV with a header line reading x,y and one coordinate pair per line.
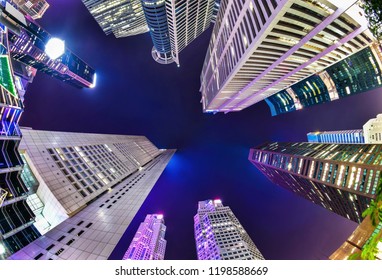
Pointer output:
x,y
220,236
186,21
27,43
148,242
16,217
34,8
78,167
259,48
215,11
175,24
355,74
354,136
123,18
356,242
90,187
339,177
370,134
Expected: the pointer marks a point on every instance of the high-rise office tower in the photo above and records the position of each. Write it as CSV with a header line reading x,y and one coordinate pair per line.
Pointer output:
x,y
338,137
259,48
156,18
90,188
27,43
220,236
175,24
121,17
215,11
34,8
16,217
340,177
148,242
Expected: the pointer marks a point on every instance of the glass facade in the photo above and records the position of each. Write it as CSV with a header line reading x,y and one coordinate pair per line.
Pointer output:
x,y
121,17
311,91
92,232
89,167
281,102
21,239
340,177
259,48
34,8
29,47
220,236
156,18
338,137
27,176
357,73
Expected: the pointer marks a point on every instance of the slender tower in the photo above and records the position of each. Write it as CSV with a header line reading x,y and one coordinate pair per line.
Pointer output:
x,y
220,236
148,242
123,18
90,186
16,217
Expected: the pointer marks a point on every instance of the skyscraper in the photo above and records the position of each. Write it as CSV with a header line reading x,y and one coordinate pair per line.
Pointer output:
x,y
259,48
215,11
220,236
357,240
16,217
27,43
148,242
175,24
34,8
90,188
24,75
122,17
339,177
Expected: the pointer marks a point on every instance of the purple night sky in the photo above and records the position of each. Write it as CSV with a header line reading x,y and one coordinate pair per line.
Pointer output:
x,y
136,95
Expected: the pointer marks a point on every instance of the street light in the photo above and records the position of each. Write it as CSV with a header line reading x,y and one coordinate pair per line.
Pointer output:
x,y
2,249
55,48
